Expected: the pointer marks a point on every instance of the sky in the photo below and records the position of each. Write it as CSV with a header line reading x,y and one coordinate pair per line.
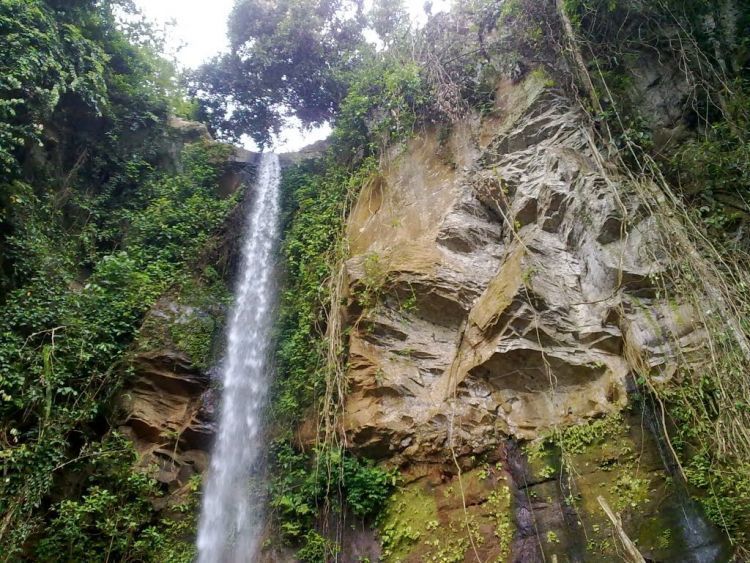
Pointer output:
x,y
197,30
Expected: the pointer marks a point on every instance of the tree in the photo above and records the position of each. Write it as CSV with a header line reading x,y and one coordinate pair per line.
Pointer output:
x,y
288,58
390,20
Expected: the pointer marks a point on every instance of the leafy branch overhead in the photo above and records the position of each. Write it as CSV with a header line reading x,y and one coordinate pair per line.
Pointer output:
x,y
287,59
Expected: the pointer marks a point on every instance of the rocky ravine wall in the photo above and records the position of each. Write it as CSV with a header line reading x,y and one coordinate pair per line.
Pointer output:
x,y
496,297
168,404
168,407
503,297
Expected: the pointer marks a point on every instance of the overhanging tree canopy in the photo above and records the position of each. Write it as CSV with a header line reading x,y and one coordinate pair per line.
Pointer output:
x,y
288,58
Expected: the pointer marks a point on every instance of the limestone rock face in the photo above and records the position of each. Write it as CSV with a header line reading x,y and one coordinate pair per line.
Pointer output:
x,y
509,285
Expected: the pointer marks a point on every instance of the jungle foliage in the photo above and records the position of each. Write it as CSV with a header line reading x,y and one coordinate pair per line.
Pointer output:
x,y
708,41
96,223
337,479
93,228
306,484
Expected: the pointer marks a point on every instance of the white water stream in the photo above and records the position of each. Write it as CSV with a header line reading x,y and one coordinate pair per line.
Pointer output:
x,y
231,519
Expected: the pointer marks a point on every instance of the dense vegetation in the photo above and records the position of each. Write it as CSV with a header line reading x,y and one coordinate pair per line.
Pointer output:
x,y
97,222
702,170
94,227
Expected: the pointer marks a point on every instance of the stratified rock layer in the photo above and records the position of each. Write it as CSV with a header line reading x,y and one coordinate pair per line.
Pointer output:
x,y
168,403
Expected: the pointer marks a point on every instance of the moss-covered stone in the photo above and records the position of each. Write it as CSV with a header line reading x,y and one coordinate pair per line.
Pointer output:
x,y
189,319
614,458
445,519
410,516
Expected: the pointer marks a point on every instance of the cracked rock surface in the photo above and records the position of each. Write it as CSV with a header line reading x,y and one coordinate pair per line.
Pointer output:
x,y
497,297
511,285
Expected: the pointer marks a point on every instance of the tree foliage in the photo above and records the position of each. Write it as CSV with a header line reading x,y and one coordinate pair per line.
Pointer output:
x,y
114,518
288,58
302,59
93,228
303,482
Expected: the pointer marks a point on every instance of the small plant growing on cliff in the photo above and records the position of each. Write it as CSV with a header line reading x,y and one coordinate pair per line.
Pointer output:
x,y
409,305
629,491
317,548
546,472
500,512
528,275
379,376
407,352
373,280
536,450
392,537
484,473
576,439
664,541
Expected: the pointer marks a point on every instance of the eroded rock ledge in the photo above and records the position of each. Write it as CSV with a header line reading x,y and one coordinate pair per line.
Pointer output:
x,y
511,286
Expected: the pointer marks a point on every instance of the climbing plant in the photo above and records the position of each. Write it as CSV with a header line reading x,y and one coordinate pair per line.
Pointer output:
x,y
696,189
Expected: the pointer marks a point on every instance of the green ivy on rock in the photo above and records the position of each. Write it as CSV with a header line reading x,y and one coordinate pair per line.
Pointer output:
x,y
304,482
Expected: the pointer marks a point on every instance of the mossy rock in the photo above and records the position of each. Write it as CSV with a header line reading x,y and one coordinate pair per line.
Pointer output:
x,y
446,519
617,459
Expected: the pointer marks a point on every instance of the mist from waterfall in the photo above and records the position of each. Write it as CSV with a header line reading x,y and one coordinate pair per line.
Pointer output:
x,y
232,517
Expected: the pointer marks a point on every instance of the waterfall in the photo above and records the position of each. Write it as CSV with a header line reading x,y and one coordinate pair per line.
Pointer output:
x,y
232,517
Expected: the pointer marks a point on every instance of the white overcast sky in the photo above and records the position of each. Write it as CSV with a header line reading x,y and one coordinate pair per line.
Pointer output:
x,y
197,30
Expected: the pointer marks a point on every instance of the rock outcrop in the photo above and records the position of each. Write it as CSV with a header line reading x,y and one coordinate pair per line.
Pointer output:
x,y
508,285
169,403
501,290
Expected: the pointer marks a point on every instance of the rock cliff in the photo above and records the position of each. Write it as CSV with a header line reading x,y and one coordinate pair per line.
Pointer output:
x,y
501,299
501,292
507,285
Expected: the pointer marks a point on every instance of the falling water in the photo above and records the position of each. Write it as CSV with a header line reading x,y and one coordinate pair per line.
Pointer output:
x,y
231,518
